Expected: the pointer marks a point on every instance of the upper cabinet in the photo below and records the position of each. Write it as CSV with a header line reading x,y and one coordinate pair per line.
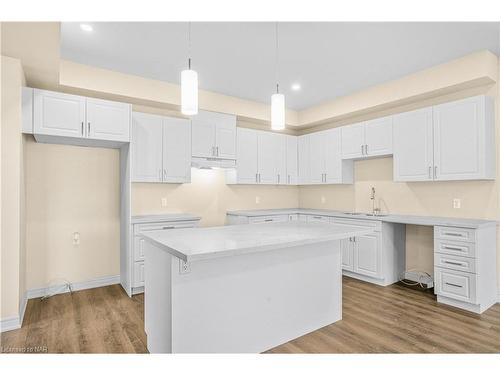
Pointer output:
x,y
451,141
214,135
367,139
292,160
65,115
160,149
320,160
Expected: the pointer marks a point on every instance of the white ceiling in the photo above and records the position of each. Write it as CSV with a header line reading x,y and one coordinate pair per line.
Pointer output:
x,y
238,59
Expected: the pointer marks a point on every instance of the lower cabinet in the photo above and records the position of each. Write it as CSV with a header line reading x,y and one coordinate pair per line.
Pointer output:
x,y
367,252
137,250
347,248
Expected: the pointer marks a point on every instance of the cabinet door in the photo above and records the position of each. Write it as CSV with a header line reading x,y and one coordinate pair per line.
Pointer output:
x,y
378,137
59,114
203,135
367,255
458,128
267,158
291,160
317,157
353,139
333,158
225,137
108,120
413,146
146,148
176,150
303,158
246,156
347,248
280,152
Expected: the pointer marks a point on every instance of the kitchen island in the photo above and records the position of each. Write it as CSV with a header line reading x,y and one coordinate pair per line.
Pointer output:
x,y
241,288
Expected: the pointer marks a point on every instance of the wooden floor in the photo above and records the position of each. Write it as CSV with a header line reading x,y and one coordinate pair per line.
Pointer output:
x,y
392,319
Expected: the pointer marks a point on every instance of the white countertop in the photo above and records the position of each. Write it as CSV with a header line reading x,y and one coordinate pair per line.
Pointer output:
x,y
193,244
402,219
173,217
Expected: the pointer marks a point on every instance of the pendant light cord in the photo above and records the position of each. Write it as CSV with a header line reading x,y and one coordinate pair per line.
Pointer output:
x,y
276,58
189,45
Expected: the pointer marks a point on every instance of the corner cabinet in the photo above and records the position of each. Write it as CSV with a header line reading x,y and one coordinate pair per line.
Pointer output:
x,y
74,117
160,149
214,135
451,141
320,160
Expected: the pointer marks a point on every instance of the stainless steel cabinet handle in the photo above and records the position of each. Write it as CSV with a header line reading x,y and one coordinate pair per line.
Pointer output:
x,y
268,220
168,228
164,175
88,129
453,234
366,149
362,150
453,248
435,171
217,150
453,263
455,285
259,177
430,172
256,177
82,128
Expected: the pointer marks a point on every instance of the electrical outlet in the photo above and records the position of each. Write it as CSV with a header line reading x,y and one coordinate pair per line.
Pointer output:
x,y
164,202
184,267
457,203
323,199
257,200
76,238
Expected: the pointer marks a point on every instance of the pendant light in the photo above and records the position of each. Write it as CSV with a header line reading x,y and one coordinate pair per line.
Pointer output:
x,y
277,100
189,85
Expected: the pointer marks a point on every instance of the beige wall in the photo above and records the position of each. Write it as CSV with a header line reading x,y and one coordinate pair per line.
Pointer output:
x,y
12,194
71,189
209,197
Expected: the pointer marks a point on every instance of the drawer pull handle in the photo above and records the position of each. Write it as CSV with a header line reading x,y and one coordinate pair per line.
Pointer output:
x,y
317,217
453,248
453,263
453,234
268,220
455,285
167,227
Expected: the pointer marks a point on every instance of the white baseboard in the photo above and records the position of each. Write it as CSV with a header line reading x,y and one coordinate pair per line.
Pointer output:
x,y
81,285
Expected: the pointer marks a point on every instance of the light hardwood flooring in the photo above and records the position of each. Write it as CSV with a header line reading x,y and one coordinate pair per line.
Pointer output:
x,y
393,319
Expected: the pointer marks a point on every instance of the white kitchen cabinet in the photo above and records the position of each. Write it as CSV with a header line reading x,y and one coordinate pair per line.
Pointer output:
x,y
347,248
464,140
27,107
291,160
266,158
367,139
353,141
160,149
303,159
107,120
214,135
280,141
247,164
367,252
413,147
58,114
451,141
176,150
325,165
147,147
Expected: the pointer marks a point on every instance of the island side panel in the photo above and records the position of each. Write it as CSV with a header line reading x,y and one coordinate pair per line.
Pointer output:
x,y
251,303
158,298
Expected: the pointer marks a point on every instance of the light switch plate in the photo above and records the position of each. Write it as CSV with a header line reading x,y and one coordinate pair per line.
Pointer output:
x,y
457,203
257,200
164,202
323,199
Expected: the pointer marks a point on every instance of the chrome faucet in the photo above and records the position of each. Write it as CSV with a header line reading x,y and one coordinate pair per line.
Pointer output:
x,y
375,211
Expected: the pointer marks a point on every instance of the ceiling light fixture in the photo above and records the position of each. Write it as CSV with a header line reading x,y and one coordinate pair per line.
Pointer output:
x,y
86,27
189,85
296,87
277,100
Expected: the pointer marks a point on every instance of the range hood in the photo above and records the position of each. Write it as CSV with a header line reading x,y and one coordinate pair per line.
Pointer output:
x,y
212,163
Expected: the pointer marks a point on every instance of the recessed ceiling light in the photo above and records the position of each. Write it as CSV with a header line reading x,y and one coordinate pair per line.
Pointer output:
x,y
296,87
86,27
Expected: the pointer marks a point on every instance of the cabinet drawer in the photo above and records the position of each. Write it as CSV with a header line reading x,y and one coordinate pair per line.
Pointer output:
x,y
315,218
453,233
456,284
138,274
268,219
138,228
465,249
376,225
455,262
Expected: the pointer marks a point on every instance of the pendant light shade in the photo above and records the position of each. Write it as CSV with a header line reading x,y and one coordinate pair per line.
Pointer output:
x,y
189,92
277,111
